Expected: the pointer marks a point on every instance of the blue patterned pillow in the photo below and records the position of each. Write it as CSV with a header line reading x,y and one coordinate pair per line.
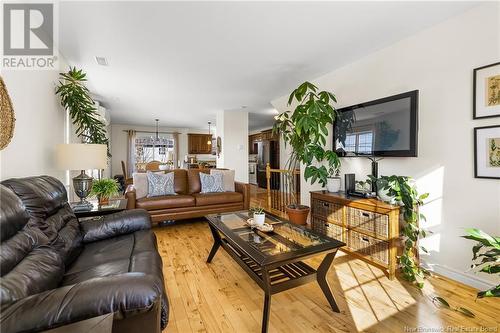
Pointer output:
x,y
160,184
211,183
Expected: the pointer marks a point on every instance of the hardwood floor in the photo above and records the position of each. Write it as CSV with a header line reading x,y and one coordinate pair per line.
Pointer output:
x,y
220,297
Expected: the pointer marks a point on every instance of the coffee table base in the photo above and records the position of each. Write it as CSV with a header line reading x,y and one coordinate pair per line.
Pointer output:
x,y
275,279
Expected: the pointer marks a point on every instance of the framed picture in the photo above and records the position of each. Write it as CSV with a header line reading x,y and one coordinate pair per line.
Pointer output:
x,y
487,152
486,94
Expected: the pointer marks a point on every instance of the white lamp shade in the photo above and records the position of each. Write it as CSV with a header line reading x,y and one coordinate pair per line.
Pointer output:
x,y
80,156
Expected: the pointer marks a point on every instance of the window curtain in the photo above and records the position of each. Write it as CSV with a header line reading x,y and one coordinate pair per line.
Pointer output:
x,y
175,158
131,135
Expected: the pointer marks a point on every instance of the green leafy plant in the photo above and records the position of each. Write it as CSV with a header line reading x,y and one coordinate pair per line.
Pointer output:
x,y
441,302
257,210
105,188
305,129
75,97
485,257
405,192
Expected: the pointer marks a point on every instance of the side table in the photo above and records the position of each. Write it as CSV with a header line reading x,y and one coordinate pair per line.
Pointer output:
x,y
114,206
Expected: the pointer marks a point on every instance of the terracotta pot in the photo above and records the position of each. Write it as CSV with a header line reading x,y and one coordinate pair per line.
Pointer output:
x,y
298,214
103,200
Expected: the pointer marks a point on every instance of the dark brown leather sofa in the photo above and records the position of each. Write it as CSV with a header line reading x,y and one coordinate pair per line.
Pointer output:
x,y
189,202
56,271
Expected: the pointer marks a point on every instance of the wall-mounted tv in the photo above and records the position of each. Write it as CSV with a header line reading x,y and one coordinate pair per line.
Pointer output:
x,y
383,127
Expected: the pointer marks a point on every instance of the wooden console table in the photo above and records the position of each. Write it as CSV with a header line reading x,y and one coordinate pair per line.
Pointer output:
x,y
369,227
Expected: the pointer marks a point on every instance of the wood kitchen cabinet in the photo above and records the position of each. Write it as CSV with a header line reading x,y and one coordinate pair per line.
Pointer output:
x,y
253,139
197,143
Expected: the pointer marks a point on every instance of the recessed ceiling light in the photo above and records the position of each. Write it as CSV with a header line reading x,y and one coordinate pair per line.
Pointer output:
x,y
101,61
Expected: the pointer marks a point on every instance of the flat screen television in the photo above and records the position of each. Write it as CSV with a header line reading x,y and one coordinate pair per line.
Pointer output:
x,y
383,127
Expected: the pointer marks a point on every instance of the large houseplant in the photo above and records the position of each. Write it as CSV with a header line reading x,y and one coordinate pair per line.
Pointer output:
x,y
75,97
305,129
485,257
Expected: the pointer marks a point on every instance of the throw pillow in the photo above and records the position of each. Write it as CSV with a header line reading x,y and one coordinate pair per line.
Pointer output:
x,y
140,180
211,183
227,178
160,184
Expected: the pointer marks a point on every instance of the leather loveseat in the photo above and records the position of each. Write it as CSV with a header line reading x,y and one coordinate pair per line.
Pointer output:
x,y
189,202
56,271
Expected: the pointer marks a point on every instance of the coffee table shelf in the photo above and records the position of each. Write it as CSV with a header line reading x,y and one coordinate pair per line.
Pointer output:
x,y
274,260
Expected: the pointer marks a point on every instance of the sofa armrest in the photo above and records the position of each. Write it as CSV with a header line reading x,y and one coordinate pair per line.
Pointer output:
x,y
245,190
112,225
125,295
131,197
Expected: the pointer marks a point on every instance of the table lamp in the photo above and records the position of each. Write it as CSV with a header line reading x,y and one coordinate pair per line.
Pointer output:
x,y
81,156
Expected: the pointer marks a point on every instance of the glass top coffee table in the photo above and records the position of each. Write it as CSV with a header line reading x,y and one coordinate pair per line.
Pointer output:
x,y
274,260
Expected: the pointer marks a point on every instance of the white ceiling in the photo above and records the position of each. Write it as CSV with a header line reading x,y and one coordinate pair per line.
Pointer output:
x,y
181,62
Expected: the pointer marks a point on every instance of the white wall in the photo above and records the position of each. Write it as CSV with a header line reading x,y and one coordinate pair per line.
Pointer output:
x,y
119,143
439,62
39,127
232,127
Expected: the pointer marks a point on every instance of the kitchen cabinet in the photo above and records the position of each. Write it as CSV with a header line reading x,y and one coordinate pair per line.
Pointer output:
x,y
197,144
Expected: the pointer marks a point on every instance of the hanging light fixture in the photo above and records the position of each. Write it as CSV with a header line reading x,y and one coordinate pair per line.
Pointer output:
x,y
209,141
157,138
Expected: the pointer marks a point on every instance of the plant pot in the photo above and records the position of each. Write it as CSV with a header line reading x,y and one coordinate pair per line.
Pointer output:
x,y
297,214
333,184
384,196
259,219
103,200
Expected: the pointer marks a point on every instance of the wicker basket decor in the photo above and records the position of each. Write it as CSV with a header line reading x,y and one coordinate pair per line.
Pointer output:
x,y
377,224
376,249
7,120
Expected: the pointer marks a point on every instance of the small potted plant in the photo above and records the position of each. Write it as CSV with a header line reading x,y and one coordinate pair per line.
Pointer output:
x,y
259,215
333,180
103,189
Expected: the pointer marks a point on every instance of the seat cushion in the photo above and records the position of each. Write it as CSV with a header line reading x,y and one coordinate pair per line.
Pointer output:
x,y
114,256
167,201
207,199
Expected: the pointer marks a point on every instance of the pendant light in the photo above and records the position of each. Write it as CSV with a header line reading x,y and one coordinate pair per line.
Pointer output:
x,y
209,141
157,138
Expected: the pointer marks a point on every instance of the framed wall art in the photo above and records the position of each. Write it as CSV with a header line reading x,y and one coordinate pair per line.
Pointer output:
x,y
487,152
486,93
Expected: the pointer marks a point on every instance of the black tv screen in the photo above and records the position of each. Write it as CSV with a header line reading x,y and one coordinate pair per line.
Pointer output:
x,y
384,127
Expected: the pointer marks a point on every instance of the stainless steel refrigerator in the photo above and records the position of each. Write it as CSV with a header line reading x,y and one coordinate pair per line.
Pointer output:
x,y
267,152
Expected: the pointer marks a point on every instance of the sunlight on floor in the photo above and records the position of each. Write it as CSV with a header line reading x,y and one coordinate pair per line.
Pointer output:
x,y
369,300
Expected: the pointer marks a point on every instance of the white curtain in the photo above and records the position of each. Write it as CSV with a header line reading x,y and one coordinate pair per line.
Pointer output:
x,y
175,136
130,163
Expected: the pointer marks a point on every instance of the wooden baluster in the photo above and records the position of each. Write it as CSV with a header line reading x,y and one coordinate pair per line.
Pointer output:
x,y
268,183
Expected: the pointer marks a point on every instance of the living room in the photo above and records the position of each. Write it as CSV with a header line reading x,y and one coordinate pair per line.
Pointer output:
x,y
129,134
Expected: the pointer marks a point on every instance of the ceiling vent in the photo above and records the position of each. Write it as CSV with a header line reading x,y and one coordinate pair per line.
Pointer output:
x,y
101,61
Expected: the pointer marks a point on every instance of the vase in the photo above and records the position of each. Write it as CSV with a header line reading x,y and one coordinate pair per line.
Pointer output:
x,y
103,200
333,184
259,219
297,214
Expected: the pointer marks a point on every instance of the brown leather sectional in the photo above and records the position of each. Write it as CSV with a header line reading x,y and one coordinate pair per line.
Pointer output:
x,y
189,202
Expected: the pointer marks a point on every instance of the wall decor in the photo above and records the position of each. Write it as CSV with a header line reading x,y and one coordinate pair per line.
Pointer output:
x,y
487,152
219,146
486,93
7,119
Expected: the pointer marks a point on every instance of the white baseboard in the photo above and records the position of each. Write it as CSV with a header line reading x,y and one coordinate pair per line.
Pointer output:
x,y
472,280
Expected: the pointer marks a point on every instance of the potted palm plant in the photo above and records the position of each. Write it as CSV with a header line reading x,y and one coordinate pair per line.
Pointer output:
x,y
305,129
104,189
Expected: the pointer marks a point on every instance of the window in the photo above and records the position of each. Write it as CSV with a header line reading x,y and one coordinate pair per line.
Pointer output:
x,y
149,149
361,142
